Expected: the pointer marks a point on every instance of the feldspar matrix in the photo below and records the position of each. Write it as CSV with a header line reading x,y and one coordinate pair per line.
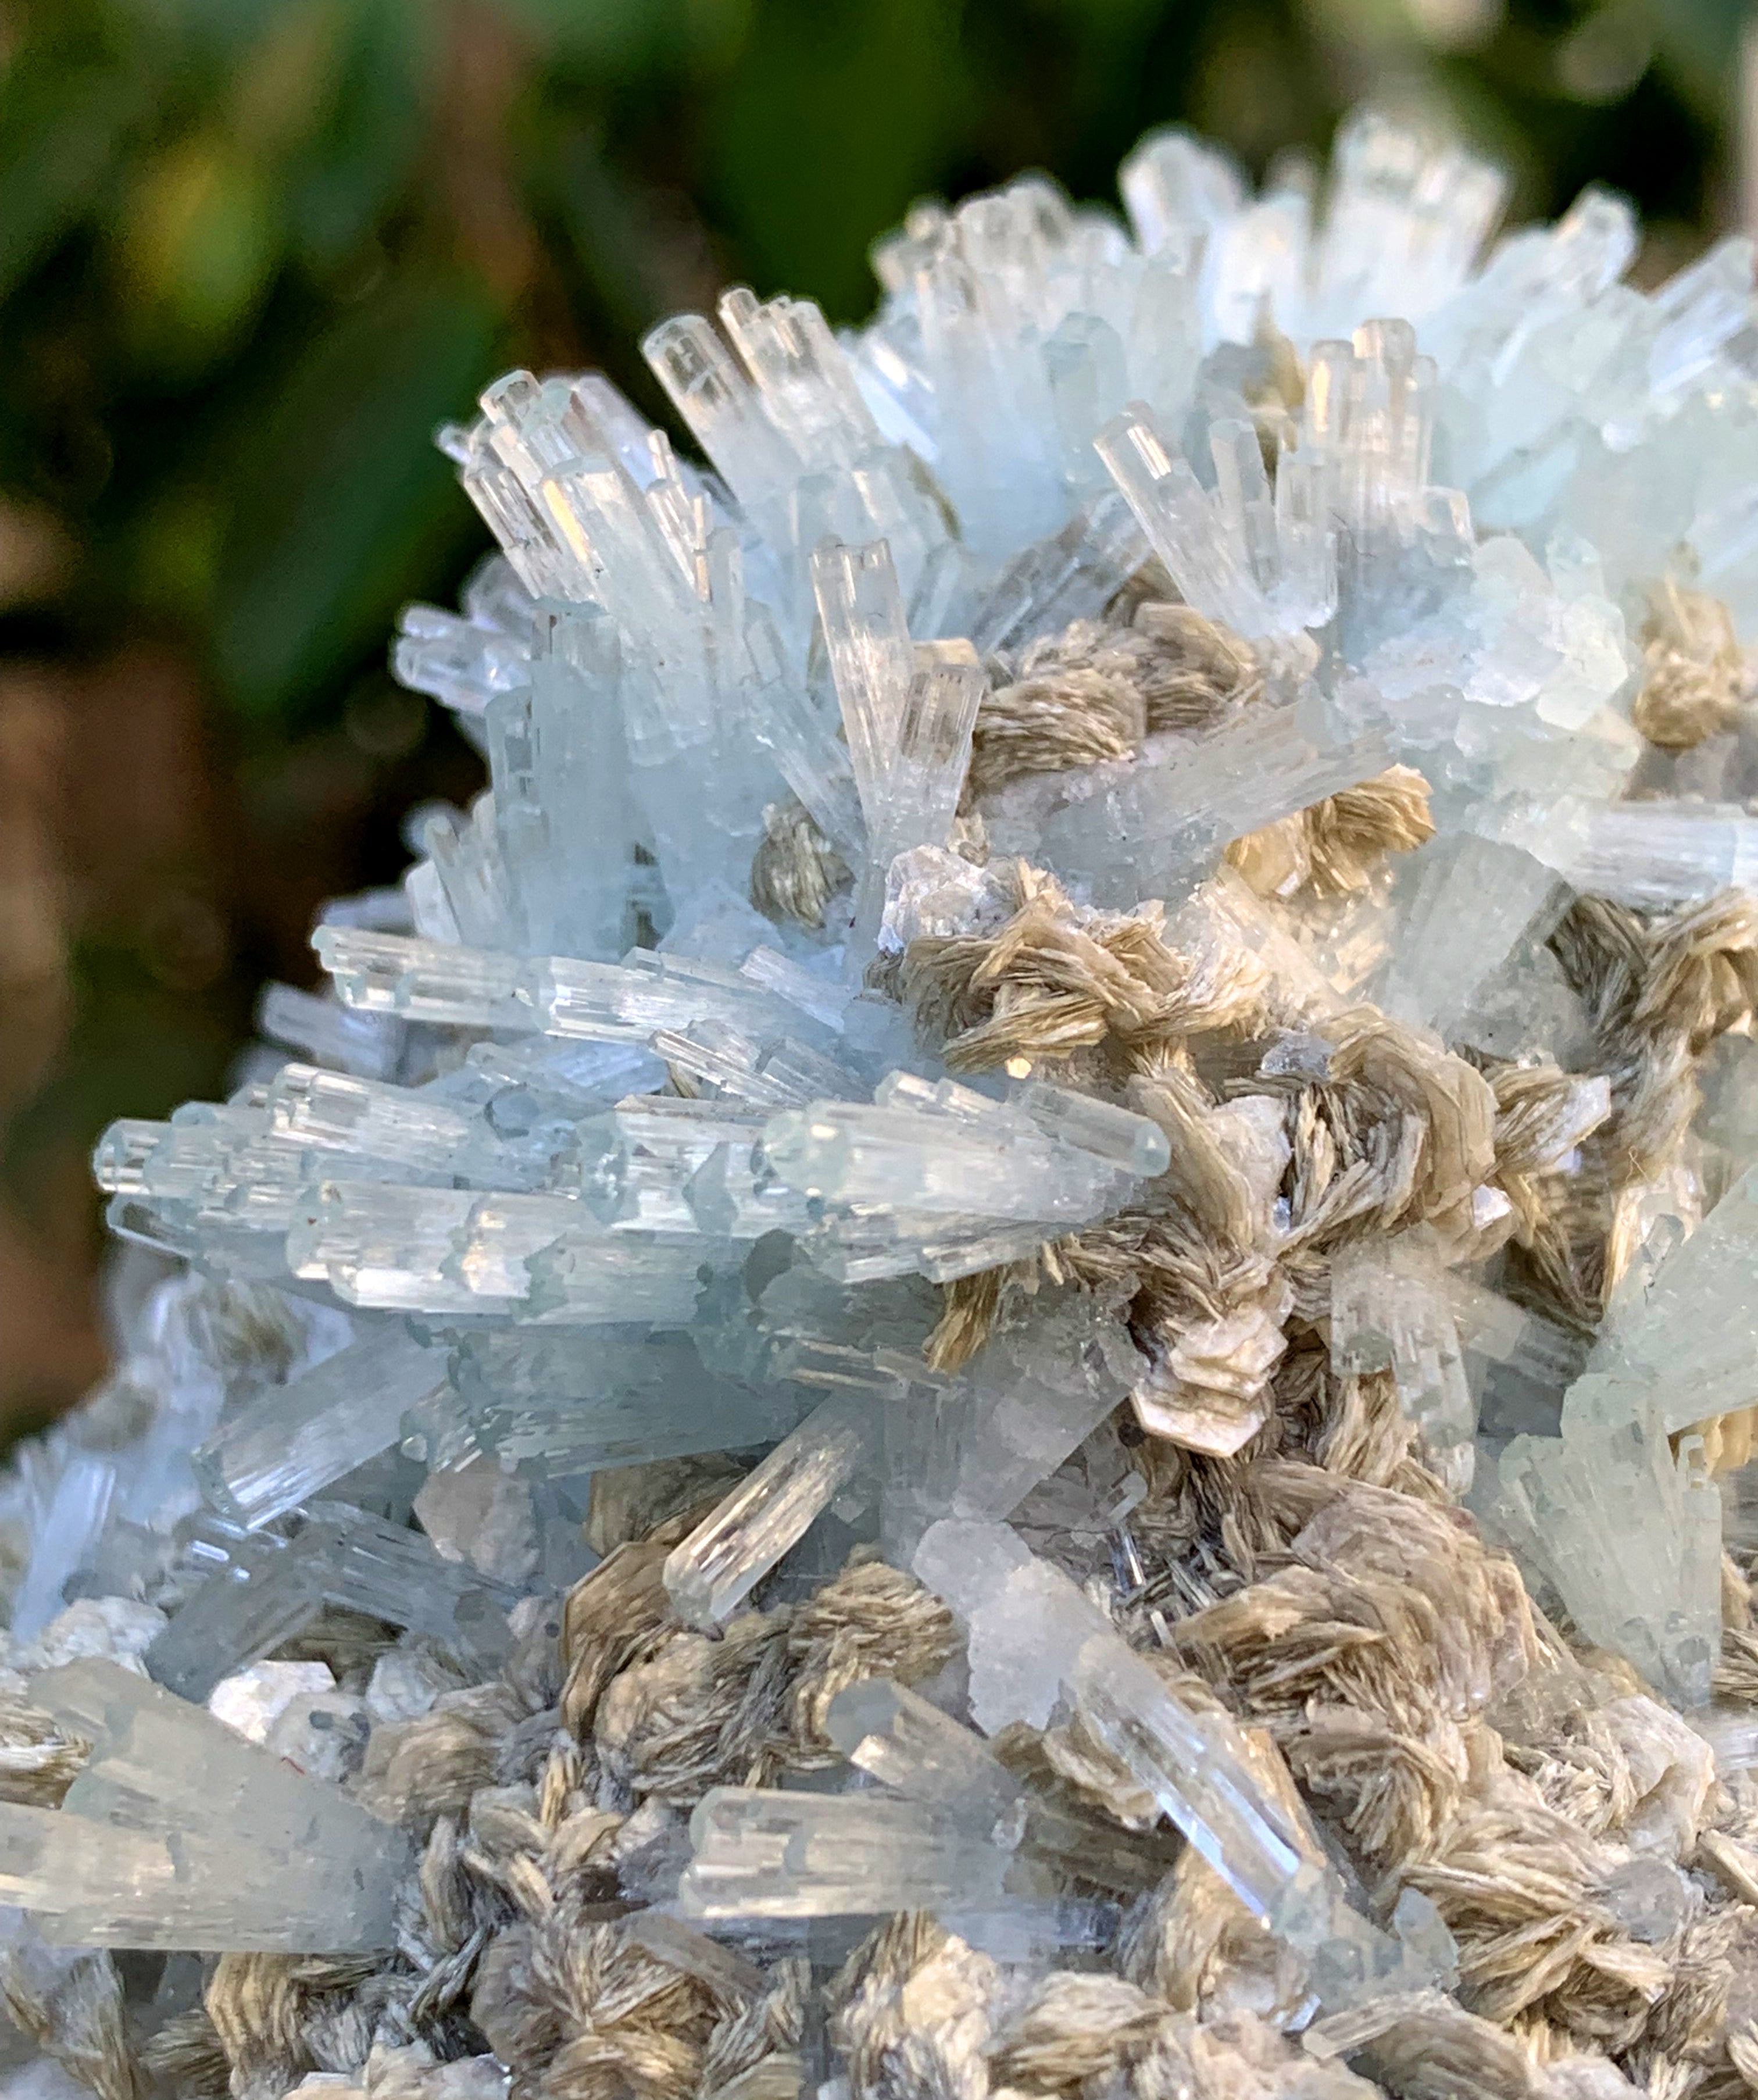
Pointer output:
x,y
1000,1339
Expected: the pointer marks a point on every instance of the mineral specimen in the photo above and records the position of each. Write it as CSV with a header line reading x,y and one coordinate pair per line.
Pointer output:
x,y
987,1346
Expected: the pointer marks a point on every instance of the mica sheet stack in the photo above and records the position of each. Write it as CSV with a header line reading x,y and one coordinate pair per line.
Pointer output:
x,y
1000,1341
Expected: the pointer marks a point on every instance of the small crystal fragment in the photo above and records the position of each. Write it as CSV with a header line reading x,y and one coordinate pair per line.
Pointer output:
x,y
712,1572
299,1439
179,1832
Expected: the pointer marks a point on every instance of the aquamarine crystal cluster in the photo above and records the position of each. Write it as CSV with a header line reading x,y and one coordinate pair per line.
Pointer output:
x,y
995,1340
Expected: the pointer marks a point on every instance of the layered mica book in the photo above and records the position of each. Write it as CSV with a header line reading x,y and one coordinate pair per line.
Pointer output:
x,y
1001,1341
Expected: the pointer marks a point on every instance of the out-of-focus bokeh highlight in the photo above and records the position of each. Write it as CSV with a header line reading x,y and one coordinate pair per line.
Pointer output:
x,y
252,251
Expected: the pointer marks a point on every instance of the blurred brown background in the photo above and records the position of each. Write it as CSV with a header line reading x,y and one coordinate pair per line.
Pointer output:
x,y
251,251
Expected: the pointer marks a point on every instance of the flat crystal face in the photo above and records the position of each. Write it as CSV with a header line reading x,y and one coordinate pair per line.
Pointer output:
x,y
1000,1341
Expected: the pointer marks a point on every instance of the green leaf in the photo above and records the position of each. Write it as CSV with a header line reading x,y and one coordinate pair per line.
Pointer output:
x,y
62,132
340,507
199,244
217,26
623,37
608,224
350,172
835,121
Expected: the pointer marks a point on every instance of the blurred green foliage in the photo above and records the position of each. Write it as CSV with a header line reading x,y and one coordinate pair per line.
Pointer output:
x,y
252,251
